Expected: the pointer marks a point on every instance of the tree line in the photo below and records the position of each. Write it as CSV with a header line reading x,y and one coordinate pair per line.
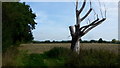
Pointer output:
x,y
82,41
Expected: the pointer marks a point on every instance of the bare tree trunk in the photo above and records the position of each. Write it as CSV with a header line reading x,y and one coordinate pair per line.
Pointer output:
x,y
75,45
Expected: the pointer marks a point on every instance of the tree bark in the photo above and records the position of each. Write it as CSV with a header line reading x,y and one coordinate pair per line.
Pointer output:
x,y
75,44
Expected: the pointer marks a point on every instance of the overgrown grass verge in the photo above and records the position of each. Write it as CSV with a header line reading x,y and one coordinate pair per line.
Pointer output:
x,y
13,57
63,57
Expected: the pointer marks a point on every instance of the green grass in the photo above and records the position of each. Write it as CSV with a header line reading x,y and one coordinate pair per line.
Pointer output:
x,y
60,56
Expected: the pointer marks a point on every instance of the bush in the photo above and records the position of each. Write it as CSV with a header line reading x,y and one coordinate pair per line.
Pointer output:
x,y
34,60
58,52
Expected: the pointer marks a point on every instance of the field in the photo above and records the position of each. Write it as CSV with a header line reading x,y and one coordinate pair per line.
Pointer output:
x,y
42,47
44,54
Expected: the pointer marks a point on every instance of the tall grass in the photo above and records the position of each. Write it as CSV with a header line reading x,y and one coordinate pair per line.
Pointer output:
x,y
63,57
9,56
91,58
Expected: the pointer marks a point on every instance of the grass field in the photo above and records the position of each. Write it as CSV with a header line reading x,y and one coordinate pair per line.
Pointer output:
x,y
42,47
44,54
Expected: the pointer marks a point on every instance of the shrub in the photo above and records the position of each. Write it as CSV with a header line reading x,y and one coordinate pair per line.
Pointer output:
x,y
34,60
57,52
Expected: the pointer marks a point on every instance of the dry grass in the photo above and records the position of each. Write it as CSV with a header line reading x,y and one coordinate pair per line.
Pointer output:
x,y
40,48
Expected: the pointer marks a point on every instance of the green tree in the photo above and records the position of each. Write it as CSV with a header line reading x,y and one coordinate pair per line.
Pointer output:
x,y
100,40
114,41
17,23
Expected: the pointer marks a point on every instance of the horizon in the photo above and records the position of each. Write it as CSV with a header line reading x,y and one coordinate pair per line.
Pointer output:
x,y
70,40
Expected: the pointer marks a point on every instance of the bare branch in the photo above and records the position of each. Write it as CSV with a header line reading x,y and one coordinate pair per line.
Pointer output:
x,y
90,4
88,20
77,12
100,9
93,25
76,4
94,12
85,27
86,14
105,10
105,13
97,15
83,6
100,21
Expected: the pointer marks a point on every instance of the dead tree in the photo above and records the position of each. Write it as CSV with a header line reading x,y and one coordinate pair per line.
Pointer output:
x,y
78,31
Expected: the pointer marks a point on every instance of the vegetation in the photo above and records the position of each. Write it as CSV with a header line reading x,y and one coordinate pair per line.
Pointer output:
x,y
17,23
82,41
42,47
63,57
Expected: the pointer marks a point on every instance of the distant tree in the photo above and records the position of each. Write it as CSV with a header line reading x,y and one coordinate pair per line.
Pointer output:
x,y
93,41
113,41
17,23
100,40
47,41
54,41
85,41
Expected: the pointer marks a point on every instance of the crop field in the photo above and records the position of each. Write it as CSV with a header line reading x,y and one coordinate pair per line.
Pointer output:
x,y
42,47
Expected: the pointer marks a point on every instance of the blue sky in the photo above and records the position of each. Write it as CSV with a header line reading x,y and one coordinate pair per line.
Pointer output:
x,y
54,19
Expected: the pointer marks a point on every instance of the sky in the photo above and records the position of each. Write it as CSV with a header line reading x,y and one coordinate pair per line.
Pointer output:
x,y
54,18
